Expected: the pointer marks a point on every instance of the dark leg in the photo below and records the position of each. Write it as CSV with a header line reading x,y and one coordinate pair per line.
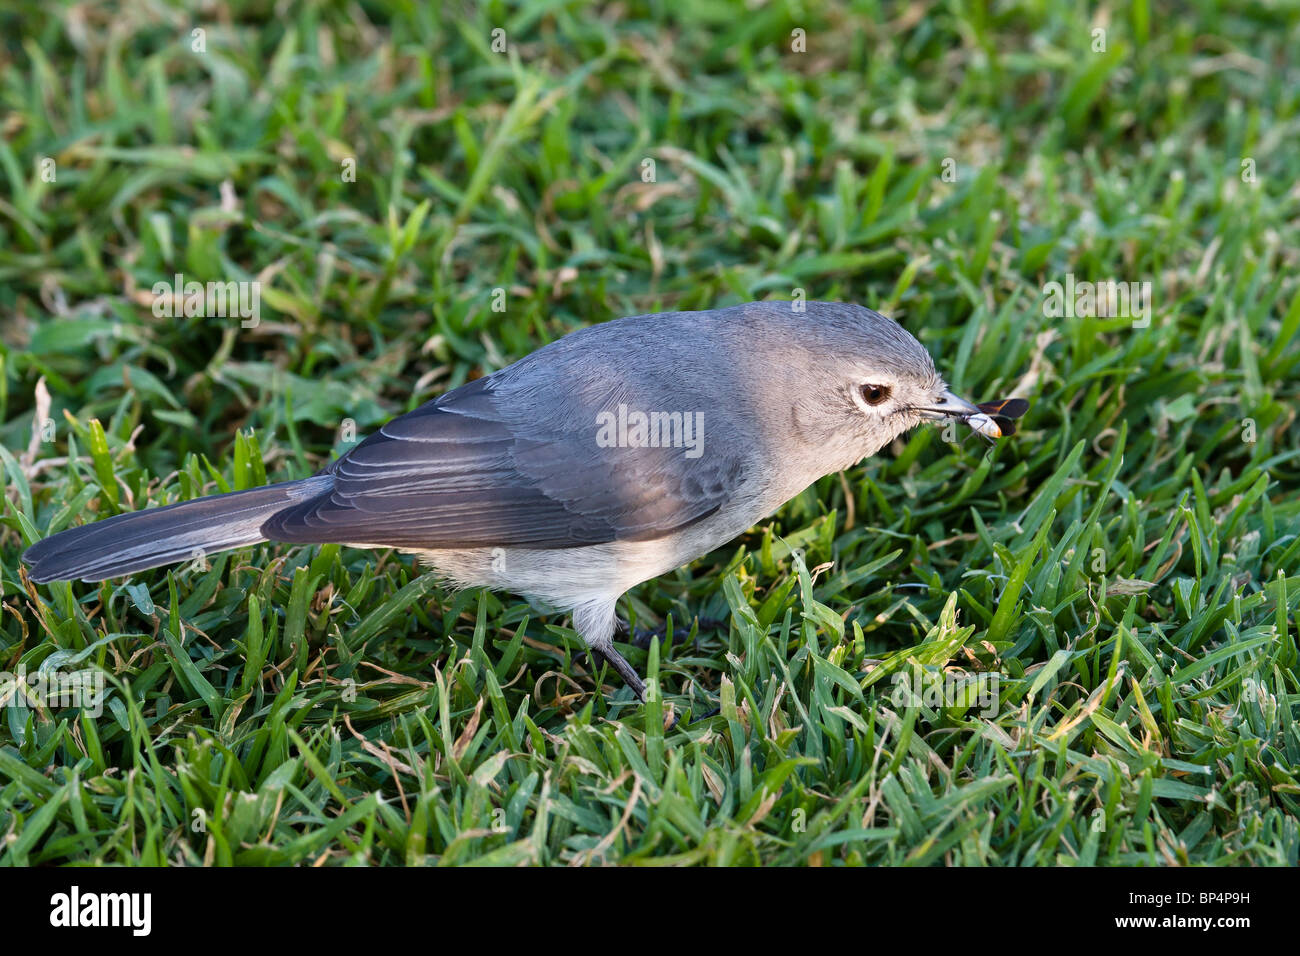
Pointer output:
x,y
643,637
605,653
596,622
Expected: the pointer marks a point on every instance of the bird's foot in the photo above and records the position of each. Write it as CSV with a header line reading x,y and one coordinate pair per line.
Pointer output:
x,y
643,636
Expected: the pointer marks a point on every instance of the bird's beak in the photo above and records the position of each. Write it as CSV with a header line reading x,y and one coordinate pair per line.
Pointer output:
x,y
950,406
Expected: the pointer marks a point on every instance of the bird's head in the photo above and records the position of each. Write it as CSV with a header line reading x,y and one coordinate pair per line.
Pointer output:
x,y
874,381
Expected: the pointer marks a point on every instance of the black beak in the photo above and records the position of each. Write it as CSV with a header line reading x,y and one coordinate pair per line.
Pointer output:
x,y
950,406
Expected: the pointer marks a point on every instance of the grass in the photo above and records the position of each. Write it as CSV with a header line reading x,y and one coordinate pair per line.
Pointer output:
x,y
1117,584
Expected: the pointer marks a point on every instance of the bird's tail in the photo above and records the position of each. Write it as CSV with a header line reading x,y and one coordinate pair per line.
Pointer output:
x,y
146,539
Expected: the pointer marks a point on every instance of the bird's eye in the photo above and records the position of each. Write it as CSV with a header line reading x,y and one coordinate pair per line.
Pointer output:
x,y
874,394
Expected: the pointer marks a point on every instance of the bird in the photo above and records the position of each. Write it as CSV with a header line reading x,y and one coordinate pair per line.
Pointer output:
x,y
612,455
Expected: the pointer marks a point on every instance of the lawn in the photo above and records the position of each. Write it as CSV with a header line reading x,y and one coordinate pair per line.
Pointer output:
x,y
1078,646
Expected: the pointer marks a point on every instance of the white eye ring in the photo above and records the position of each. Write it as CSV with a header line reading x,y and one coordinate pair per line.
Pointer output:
x,y
874,395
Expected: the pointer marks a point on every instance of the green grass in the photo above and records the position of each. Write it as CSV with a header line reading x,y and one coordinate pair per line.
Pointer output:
x,y
1124,573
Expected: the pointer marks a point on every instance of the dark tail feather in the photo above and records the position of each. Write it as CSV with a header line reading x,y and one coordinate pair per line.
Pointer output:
x,y
147,539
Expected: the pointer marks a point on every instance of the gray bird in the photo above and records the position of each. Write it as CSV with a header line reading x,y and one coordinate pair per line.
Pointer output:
x,y
609,457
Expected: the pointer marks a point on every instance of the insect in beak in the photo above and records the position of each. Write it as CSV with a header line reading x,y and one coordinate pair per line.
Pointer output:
x,y
996,419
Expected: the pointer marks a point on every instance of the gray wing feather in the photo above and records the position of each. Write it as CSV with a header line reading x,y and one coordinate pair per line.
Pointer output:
x,y
475,469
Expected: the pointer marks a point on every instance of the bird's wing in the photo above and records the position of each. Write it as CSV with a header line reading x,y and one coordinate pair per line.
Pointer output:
x,y
472,470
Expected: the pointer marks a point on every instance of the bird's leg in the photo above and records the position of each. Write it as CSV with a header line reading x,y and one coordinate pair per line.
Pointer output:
x,y
643,637
596,623
605,652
